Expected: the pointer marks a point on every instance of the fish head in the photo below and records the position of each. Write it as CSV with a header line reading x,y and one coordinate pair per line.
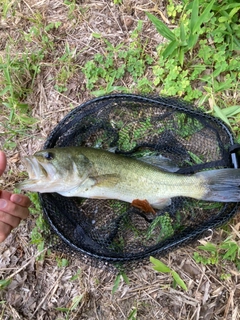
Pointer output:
x,y
55,170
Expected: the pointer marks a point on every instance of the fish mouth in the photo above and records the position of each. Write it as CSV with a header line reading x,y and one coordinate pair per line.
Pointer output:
x,y
39,174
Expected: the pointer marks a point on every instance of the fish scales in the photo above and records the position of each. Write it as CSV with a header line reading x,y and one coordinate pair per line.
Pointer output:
x,y
139,180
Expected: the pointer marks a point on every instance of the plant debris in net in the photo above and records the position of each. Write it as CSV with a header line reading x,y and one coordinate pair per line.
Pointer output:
x,y
112,231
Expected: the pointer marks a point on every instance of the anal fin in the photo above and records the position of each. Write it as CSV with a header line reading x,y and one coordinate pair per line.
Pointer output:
x,y
144,205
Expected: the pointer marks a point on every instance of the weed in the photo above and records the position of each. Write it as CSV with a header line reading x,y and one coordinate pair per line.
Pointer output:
x,y
162,223
4,283
41,227
76,276
66,67
228,250
120,277
71,8
205,42
117,1
132,132
73,306
132,314
185,38
8,8
62,262
205,46
17,77
161,267
106,69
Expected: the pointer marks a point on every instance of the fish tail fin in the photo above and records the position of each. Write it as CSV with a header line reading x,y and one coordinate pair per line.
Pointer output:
x,y
223,185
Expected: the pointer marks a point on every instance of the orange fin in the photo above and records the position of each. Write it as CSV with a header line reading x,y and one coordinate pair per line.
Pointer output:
x,y
144,205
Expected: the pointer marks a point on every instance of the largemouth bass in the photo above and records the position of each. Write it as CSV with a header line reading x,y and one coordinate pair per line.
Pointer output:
x,y
95,173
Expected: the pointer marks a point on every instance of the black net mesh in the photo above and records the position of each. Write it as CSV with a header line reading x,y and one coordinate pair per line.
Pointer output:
x,y
114,231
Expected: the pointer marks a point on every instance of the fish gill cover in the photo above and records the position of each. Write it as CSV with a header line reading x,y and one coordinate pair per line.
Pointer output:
x,y
112,231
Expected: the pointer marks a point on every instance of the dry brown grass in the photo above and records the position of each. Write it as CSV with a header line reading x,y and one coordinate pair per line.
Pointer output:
x,y
39,288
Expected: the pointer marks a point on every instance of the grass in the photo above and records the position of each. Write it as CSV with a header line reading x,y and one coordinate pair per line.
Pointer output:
x,y
198,61
219,254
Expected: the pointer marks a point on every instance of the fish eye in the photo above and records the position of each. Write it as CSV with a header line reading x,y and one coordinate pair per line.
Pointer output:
x,y
48,155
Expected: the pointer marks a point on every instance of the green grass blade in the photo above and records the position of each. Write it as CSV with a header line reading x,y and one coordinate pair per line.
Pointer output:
x,y
232,250
218,113
231,111
5,90
161,27
203,17
181,55
192,40
116,283
125,278
194,15
210,247
182,33
4,283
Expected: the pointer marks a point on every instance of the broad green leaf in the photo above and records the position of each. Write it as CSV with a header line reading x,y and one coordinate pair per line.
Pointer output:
x,y
218,113
194,15
179,280
161,27
203,17
170,49
159,265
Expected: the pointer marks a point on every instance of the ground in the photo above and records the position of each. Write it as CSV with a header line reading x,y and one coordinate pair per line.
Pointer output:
x,y
47,289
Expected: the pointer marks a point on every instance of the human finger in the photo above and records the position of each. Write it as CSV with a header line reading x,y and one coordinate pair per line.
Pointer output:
x,y
20,199
9,219
13,209
5,230
3,162
5,194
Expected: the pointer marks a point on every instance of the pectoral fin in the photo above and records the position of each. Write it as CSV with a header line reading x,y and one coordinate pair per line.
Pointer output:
x,y
106,180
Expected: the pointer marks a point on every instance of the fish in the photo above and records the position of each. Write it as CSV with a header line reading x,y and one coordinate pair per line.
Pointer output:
x,y
99,174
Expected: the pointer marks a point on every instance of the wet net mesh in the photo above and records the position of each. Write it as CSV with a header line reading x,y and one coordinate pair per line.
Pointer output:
x,y
113,231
